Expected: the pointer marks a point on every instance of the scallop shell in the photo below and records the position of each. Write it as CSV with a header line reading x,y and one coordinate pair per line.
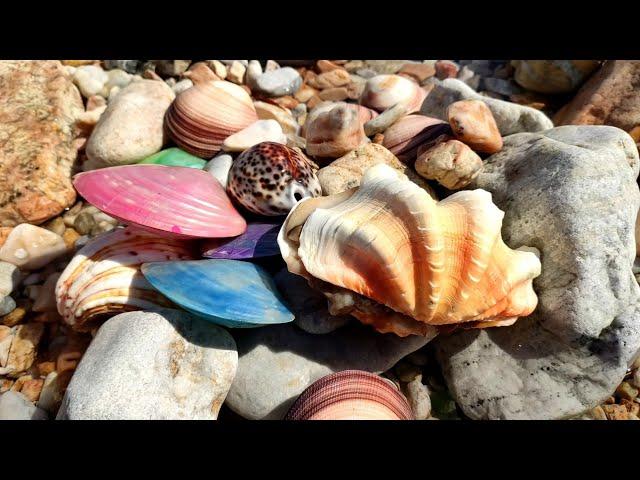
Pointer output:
x,y
174,201
226,292
203,116
385,91
335,131
104,276
351,395
404,137
429,263
270,178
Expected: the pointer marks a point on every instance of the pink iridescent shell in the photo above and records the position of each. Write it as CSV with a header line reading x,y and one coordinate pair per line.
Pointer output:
x,y
351,395
270,178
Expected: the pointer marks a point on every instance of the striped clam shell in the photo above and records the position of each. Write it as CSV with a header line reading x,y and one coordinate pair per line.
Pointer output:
x,y
351,395
104,277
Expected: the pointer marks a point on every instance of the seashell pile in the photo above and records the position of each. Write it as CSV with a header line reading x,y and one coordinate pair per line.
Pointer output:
x,y
429,263
104,277
270,178
260,240
203,116
351,395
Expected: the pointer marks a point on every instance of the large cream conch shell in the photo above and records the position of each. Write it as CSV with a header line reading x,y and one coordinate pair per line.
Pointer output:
x,y
415,264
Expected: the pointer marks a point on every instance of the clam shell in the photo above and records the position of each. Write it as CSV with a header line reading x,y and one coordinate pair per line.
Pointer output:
x,y
226,292
176,201
270,178
351,395
385,91
174,157
334,130
104,276
432,263
203,116
260,240
404,137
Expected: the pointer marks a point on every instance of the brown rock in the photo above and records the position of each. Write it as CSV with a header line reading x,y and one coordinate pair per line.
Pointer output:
x,y
336,94
5,384
4,233
70,236
334,78
287,101
24,347
446,69
333,129
45,368
419,71
598,413
325,66
313,102
610,97
452,164
32,388
552,76
472,123
632,407
616,412
17,315
626,391
305,93
38,108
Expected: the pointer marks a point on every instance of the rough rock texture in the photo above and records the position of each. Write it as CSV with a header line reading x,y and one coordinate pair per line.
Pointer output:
x,y
278,362
132,126
610,97
347,171
510,117
144,365
38,108
570,192
553,76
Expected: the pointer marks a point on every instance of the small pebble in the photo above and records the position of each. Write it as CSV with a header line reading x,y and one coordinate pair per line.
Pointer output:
x,y
446,69
335,78
7,305
472,123
254,71
598,413
276,83
625,390
218,68
10,277
268,111
385,119
90,80
46,299
500,86
16,406
236,73
406,372
14,317
129,66
70,216
336,94
452,164
70,236
84,223
257,132
219,168
417,395
30,248
418,71
172,68
635,380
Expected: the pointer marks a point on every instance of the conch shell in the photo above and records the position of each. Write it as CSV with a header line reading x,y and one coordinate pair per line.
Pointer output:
x,y
104,276
203,116
420,263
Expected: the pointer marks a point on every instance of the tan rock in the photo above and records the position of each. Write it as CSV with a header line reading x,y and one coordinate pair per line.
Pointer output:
x,y
334,78
626,391
335,94
236,73
610,97
418,71
598,413
17,315
4,233
286,101
553,76
346,172
452,164
70,236
31,389
39,105
23,348
616,412
267,111
305,93
6,338
326,66
30,247
472,123
632,407
446,69
333,130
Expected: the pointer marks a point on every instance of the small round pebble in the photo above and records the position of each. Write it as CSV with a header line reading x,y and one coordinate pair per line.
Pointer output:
x,y
276,83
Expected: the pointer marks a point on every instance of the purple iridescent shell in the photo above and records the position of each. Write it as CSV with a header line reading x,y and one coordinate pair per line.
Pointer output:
x,y
259,240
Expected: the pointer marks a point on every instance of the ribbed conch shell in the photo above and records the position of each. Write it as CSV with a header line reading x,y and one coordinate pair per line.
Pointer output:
x,y
385,91
104,276
419,262
203,116
351,395
405,136
334,131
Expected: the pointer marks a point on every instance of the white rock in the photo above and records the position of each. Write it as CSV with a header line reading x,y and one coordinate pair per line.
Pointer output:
x,y
254,70
7,305
15,406
236,73
90,80
117,78
276,83
182,85
10,277
418,397
218,68
281,115
219,168
29,247
257,132
143,365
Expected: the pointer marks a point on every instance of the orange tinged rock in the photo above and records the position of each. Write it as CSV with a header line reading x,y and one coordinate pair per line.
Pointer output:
x,y
472,123
418,71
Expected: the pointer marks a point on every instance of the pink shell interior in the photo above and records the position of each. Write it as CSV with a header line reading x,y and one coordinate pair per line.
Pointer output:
x,y
177,201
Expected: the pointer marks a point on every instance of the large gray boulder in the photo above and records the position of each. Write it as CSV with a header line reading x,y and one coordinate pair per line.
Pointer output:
x,y
510,117
152,366
278,362
571,192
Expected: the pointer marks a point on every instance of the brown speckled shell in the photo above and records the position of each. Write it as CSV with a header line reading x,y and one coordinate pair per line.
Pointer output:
x,y
351,395
270,178
203,116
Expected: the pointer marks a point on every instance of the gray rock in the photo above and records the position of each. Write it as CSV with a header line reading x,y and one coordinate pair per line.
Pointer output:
x,y
172,68
7,305
308,305
383,121
10,278
276,83
366,73
276,363
501,86
510,117
143,365
417,395
15,406
129,66
570,192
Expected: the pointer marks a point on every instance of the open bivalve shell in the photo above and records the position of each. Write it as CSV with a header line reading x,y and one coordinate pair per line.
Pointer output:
x,y
384,91
424,263
104,277
203,116
351,395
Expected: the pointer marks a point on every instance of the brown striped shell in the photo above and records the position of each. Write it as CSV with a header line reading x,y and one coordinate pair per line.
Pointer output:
x,y
405,136
104,276
351,395
203,116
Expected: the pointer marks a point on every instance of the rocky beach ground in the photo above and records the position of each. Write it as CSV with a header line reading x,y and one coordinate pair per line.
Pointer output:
x,y
108,309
